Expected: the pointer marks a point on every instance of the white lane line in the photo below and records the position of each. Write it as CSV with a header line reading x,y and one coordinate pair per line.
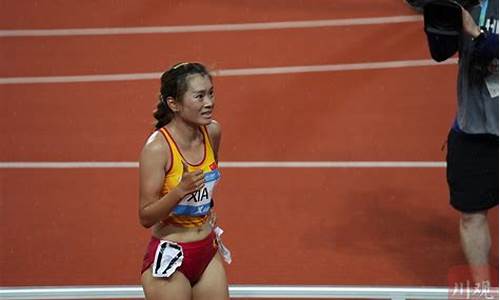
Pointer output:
x,y
334,164
208,28
69,165
334,68
245,291
79,78
233,164
232,72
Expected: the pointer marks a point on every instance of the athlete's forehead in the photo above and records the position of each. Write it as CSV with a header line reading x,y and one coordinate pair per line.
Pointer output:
x,y
198,83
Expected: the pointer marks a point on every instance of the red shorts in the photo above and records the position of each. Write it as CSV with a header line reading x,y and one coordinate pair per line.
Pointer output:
x,y
197,256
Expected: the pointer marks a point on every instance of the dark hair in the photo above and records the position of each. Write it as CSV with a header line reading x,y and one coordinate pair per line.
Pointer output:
x,y
174,84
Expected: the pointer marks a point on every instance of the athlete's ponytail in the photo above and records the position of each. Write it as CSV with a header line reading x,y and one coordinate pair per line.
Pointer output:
x,y
174,85
163,114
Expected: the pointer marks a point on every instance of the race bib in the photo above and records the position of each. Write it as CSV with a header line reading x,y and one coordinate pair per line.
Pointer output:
x,y
168,258
199,202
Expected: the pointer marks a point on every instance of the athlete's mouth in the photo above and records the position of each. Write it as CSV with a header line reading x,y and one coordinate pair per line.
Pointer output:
x,y
207,114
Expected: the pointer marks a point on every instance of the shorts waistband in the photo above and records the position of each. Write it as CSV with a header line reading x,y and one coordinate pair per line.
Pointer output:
x,y
475,136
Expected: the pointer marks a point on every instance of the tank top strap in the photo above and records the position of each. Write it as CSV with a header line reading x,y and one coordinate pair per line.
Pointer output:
x,y
208,141
173,151
170,141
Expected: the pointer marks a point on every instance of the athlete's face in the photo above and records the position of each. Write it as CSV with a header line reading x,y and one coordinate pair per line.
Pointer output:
x,y
198,102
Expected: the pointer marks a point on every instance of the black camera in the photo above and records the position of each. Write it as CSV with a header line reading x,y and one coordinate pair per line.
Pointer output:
x,y
419,4
443,27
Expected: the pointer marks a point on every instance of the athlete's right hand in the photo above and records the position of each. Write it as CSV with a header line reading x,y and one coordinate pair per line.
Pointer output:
x,y
190,181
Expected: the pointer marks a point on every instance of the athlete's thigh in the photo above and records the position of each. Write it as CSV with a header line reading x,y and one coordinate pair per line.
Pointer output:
x,y
213,283
176,287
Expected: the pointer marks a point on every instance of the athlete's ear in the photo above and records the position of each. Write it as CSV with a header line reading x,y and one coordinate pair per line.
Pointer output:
x,y
173,105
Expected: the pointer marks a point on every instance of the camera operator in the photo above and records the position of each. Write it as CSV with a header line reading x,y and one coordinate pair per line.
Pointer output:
x,y
472,158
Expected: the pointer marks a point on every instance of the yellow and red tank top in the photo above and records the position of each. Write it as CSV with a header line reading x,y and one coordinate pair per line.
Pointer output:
x,y
193,210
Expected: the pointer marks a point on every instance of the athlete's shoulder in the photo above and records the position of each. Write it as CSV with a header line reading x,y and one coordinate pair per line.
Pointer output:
x,y
214,129
156,144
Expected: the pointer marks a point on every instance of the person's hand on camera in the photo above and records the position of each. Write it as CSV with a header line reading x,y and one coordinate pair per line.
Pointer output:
x,y
469,27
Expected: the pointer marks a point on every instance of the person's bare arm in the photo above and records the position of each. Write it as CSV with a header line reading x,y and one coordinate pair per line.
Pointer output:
x,y
469,26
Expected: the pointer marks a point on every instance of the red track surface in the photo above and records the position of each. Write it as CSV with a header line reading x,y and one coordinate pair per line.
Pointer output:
x,y
129,13
284,226
77,55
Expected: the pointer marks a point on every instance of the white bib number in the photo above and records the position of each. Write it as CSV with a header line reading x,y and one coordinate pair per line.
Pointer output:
x,y
168,258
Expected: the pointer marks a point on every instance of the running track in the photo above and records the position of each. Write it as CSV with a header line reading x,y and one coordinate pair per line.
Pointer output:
x,y
366,226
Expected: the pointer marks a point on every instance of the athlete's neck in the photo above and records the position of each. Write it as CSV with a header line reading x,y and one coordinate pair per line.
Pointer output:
x,y
183,132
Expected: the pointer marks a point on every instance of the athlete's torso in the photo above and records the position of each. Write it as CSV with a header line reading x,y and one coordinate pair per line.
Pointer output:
x,y
191,218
